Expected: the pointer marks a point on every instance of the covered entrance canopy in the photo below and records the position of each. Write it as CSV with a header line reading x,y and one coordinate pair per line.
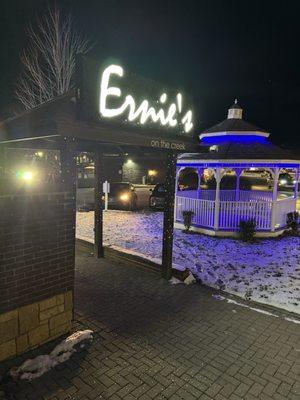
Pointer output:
x,y
110,113
76,122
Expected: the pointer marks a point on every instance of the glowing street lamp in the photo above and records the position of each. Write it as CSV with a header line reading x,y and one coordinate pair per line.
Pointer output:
x,y
25,176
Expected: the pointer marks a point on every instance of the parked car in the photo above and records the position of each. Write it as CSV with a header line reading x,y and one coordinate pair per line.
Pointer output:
x,y
157,197
122,195
285,181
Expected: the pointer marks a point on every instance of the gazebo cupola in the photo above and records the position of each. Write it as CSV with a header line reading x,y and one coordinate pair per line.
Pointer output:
x,y
233,130
238,179
235,111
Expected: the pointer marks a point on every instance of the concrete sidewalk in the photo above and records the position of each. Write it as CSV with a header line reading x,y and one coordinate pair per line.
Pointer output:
x,y
158,341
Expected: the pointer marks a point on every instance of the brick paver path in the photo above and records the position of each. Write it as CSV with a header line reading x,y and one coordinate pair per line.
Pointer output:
x,y
157,341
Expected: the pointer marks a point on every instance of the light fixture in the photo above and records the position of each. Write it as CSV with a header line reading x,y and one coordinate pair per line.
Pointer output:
x,y
152,172
124,197
26,176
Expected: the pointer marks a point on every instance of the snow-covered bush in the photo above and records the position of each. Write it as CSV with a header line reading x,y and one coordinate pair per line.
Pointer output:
x,y
247,229
187,219
292,222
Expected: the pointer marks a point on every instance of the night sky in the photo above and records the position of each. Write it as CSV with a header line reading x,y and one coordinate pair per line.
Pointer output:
x,y
216,50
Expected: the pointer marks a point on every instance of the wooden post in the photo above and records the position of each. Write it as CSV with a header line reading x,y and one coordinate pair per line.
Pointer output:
x,y
98,215
274,199
168,225
68,166
218,177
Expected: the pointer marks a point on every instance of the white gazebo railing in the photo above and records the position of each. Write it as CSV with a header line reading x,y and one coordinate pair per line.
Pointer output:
x,y
203,210
227,195
231,212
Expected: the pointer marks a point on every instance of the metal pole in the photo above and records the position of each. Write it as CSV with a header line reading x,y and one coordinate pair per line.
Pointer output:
x,y
168,225
98,216
106,196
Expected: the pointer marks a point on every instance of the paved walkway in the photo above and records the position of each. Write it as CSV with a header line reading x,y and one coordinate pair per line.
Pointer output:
x,y
157,341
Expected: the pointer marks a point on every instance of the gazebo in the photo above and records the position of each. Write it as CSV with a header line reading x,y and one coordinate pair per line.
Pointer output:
x,y
240,175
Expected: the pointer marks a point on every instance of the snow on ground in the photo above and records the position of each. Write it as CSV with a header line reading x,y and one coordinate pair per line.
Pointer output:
x,y
267,271
36,367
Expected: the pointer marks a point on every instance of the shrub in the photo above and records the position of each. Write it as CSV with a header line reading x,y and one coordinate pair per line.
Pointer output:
x,y
247,229
187,219
292,222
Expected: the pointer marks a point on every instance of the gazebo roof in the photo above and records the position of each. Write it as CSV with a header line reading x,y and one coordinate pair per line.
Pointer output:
x,y
233,125
237,141
252,150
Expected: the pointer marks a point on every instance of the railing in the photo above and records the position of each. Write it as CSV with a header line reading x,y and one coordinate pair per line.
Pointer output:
x,y
231,212
231,195
282,208
227,195
203,210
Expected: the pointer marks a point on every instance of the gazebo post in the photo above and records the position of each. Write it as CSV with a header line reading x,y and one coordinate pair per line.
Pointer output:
x,y
238,173
178,169
218,177
199,172
296,183
274,199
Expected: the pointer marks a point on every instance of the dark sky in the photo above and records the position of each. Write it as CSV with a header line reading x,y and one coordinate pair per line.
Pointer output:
x,y
216,50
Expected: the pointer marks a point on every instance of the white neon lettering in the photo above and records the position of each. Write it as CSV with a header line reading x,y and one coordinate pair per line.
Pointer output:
x,y
144,112
106,91
179,101
187,121
163,98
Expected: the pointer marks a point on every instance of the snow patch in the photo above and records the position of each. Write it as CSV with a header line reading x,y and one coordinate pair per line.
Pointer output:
x,y
266,271
175,281
296,321
218,297
36,367
190,279
230,301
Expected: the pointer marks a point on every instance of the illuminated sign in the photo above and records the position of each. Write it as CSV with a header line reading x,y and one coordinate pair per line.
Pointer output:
x,y
164,113
122,107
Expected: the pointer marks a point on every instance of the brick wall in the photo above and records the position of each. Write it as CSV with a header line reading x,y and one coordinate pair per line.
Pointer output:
x,y
36,247
29,326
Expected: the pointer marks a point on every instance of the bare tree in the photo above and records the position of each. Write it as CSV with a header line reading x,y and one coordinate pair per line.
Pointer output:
x,y
49,60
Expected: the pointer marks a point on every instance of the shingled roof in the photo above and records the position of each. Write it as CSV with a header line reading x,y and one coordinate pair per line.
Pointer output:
x,y
236,139
254,150
234,125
